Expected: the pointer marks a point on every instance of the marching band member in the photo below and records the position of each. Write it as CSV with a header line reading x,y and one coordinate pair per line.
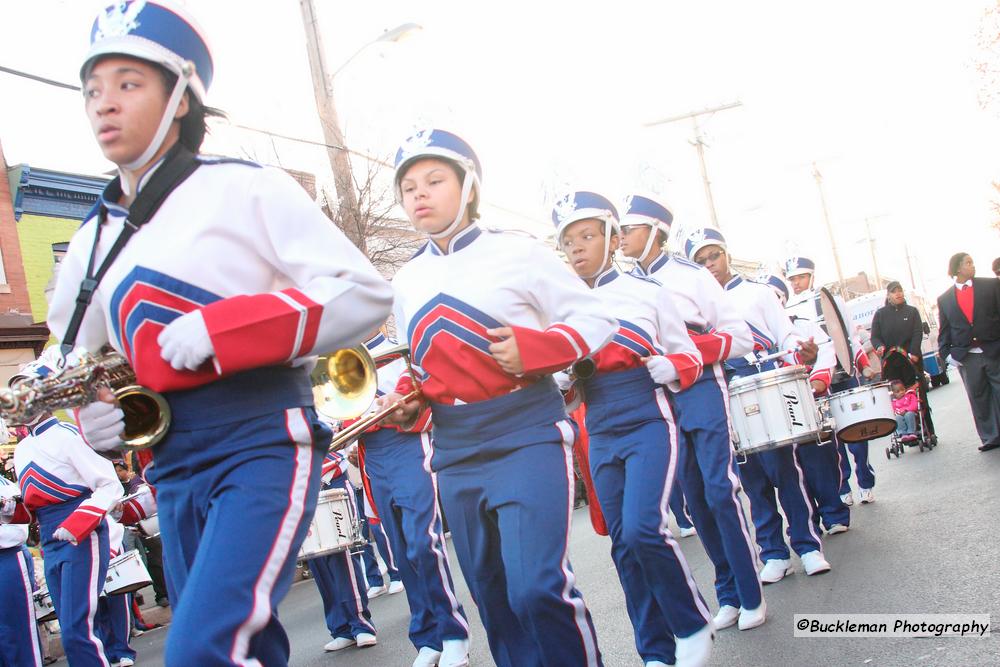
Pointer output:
x,y
340,579
707,467
395,463
19,645
113,623
821,464
777,469
633,439
488,317
69,488
217,302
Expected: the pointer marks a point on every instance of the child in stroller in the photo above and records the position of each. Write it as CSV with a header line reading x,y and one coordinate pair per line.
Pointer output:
x,y
902,373
904,405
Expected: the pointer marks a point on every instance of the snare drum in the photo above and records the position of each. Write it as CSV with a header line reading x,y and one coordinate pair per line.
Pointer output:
x,y
863,413
334,527
773,409
44,609
150,526
126,574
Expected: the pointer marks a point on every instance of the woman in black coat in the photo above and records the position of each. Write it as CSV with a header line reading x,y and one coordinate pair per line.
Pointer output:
x,y
897,324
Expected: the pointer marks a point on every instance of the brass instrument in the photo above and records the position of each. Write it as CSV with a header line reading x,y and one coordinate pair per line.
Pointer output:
x,y
351,433
147,414
344,383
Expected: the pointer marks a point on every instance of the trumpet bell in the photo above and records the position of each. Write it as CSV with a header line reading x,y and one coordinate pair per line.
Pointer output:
x,y
344,383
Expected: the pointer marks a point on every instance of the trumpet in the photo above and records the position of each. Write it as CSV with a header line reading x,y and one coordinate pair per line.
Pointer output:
x,y
351,433
147,413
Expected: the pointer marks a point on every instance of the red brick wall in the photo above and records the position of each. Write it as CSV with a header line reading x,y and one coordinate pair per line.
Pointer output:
x,y
13,296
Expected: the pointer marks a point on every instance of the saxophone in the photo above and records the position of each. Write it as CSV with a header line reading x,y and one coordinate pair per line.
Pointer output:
x,y
147,413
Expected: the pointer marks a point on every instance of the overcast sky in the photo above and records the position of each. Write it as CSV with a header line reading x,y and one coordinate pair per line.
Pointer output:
x,y
554,95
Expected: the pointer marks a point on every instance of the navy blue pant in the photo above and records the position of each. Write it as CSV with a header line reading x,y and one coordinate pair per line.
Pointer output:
x,y
75,577
712,489
779,470
113,625
863,470
505,468
19,645
375,534
405,493
678,506
821,464
235,501
341,585
633,461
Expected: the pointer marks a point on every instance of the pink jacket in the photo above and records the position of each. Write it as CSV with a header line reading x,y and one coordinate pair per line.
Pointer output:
x,y
908,403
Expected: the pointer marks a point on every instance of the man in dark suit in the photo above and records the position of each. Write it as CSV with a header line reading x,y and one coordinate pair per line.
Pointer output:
x,y
969,338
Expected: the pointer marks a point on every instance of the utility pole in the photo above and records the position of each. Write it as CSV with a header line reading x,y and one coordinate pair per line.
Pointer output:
x,y
829,230
699,143
909,265
871,247
340,162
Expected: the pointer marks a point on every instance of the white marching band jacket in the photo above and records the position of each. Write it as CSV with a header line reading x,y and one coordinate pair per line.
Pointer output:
x,y
11,535
216,244
446,302
714,325
54,465
648,325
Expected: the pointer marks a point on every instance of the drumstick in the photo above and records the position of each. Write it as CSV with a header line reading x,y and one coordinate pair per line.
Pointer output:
x,y
777,355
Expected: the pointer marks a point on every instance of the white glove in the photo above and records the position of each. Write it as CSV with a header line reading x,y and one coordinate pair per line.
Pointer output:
x,y
563,380
63,535
185,343
661,369
868,372
951,360
101,425
116,511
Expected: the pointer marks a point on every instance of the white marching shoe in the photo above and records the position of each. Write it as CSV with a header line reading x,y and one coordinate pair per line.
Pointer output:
x,y
365,639
867,496
814,563
396,587
339,643
775,569
454,653
837,528
727,616
427,657
751,618
848,498
688,532
693,651
658,663
376,591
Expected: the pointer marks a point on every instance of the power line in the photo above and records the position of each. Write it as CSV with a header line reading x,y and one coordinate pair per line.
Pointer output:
x,y
370,158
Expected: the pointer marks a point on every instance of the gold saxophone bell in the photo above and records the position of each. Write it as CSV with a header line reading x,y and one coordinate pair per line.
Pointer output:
x,y
344,383
147,414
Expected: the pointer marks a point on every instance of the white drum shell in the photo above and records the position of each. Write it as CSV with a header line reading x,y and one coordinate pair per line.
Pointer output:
x,y
150,526
334,527
773,409
44,609
863,413
126,574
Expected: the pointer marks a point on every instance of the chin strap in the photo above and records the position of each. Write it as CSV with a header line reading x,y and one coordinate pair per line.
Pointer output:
x,y
187,71
467,182
608,261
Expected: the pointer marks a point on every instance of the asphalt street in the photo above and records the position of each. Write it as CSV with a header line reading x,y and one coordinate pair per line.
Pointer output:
x,y
927,545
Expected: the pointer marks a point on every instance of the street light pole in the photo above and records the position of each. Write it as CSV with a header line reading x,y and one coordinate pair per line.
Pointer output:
x,y
340,162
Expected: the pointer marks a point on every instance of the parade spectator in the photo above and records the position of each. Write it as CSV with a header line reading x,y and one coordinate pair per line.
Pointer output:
x,y
898,325
969,338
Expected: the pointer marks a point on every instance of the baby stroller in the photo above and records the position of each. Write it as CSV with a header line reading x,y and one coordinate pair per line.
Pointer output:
x,y
896,365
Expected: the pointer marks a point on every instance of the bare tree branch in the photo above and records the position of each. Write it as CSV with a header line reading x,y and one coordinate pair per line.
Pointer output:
x,y
374,227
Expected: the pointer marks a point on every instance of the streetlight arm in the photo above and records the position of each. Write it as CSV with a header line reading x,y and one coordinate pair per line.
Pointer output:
x,y
394,35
